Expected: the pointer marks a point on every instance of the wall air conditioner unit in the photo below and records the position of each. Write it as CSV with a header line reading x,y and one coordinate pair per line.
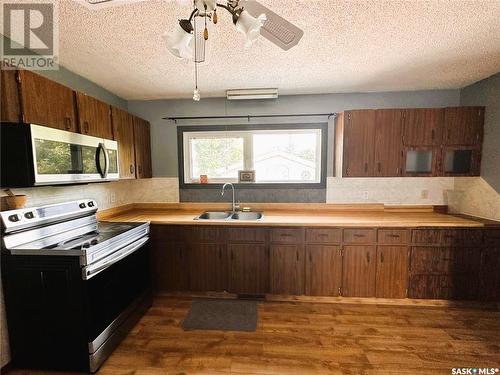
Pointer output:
x,y
252,94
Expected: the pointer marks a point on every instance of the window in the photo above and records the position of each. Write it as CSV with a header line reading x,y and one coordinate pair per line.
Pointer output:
x,y
278,155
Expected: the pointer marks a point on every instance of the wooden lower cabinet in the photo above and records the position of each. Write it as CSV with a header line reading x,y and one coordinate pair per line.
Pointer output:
x,y
248,268
323,270
392,272
207,267
359,271
170,267
490,274
287,269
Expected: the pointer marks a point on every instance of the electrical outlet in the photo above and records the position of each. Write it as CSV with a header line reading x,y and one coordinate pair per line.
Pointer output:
x,y
365,195
112,197
424,194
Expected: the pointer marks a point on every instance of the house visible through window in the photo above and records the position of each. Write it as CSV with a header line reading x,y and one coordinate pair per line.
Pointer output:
x,y
276,155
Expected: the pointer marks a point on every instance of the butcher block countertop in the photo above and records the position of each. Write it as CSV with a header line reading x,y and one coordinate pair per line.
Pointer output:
x,y
309,215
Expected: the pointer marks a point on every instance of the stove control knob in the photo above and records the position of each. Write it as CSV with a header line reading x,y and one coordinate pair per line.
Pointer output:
x,y
82,205
90,204
14,218
29,215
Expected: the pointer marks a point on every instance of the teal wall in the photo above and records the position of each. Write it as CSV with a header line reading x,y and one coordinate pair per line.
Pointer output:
x,y
487,93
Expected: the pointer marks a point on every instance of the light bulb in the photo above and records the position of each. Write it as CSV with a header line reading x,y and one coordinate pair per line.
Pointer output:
x,y
196,95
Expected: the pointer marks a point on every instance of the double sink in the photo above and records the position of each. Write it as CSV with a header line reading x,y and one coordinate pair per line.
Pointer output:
x,y
222,215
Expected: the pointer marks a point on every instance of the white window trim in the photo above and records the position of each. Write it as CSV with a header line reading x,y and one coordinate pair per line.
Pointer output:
x,y
247,153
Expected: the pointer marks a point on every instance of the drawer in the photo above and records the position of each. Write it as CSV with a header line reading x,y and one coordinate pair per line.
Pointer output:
x,y
323,235
390,236
462,237
201,234
492,237
359,235
235,234
287,235
426,236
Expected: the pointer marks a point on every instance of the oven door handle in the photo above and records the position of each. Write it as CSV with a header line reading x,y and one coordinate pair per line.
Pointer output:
x,y
93,270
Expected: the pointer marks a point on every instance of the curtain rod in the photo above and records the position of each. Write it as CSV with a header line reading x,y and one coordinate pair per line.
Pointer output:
x,y
333,114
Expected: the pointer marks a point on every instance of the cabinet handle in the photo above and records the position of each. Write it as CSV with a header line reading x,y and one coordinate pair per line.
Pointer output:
x,y
220,253
297,255
232,255
131,168
366,167
393,235
310,258
359,235
368,257
86,127
433,134
381,257
285,235
67,123
379,166
322,235
139,168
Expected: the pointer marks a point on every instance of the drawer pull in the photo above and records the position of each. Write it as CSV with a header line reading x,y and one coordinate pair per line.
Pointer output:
x,y
393,235
359,235
285,235
323,235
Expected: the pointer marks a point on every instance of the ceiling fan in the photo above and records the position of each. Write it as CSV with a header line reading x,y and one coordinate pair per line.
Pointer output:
x,y
189,38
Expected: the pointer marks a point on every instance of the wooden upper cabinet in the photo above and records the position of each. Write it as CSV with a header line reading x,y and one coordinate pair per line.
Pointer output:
x,y
423,126
463,126
359,270
359,145
123,129
388,142
142,148
94,117
47,103
9,105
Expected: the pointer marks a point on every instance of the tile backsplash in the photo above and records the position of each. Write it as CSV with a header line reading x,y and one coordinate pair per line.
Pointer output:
x,y
107,195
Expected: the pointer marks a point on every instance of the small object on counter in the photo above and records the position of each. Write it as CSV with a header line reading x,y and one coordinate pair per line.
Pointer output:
x,y
12,201
246,209
203,179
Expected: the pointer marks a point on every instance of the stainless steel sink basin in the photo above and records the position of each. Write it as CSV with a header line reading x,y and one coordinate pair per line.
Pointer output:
x,y
214,215
221,215
247,216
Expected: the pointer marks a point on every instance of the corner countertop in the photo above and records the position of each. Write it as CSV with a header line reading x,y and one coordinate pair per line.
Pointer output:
x,y
289,215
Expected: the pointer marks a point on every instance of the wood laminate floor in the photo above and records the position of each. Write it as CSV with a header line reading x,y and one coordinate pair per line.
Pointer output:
x,y
312,338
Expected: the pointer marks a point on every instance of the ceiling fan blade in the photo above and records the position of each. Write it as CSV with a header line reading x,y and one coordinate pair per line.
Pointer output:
x,y
276,29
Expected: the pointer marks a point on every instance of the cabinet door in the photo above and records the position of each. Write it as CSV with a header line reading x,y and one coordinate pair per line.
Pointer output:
x,y
430,260
423,126
358,279
169,266
287,269
461,161
9,104
463,126
249,268
392,271
323,270
359,143
123,129
142,148
207,267
421,161
94,117
388,142
47,103
490,277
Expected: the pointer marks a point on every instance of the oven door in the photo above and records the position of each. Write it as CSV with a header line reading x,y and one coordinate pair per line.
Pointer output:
x,y
64,157
114,287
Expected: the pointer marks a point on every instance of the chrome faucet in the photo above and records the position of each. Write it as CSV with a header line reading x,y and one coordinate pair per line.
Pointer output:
x,y
234,207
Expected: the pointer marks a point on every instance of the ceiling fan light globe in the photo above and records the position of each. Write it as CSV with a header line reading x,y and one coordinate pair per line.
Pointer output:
x,y
179,43
250,26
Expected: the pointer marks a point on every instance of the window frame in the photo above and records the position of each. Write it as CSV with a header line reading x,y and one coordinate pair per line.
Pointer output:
x,y
181,145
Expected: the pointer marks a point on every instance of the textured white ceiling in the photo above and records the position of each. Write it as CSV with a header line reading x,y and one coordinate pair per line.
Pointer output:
x,y
348,46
